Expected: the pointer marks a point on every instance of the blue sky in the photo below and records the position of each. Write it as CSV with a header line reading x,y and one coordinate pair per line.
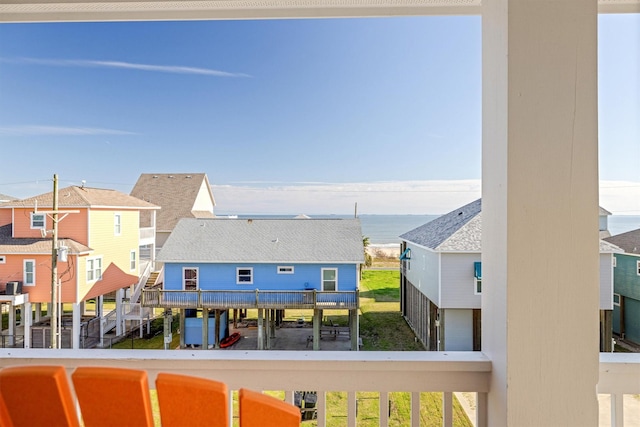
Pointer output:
x,y
285,116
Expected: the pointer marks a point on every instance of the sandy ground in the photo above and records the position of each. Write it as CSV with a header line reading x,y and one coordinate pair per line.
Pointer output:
x,y
386,251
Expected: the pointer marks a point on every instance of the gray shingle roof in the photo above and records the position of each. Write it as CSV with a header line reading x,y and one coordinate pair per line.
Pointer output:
x,y
175,193
461,231
265,241
629,241
457,225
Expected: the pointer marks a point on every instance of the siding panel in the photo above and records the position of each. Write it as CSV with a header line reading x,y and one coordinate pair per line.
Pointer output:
x,y
425,271
458,281
265,277
458,330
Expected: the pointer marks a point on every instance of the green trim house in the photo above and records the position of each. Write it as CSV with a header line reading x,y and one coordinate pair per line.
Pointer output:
x,y
626,297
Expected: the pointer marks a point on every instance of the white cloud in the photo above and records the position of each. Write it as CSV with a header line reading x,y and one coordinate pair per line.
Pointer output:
x,y
58,130
174,69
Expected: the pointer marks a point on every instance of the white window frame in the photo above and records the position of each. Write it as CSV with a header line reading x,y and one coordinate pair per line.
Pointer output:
x,y
184,279
117,224
244,282
3,259
26,282
614,262
286,269
96,272
133,261
44,221
614,300
322,281
477,281
638,268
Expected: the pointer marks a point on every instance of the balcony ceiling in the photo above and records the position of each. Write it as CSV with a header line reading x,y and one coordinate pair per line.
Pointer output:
x,y
152,10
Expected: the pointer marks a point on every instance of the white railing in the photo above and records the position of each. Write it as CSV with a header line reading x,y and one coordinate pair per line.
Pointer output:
x,y
109,321
620,379
351,372
147,235
289,371
143,280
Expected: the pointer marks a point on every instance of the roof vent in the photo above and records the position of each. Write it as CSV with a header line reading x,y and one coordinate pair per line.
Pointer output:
x,y
249,221
154,176
171,176
188,176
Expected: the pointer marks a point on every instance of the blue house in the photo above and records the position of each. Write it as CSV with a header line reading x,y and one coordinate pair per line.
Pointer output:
x,y
215,265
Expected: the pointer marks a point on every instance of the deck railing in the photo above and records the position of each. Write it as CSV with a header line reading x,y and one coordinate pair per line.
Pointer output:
x,y
250,299
351,372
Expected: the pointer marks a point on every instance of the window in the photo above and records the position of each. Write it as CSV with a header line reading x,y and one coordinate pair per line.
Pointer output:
x,y
190,279
285,270
94,269
638,267
477,277
244,275
29,273
117,224
37,220
132,260
3,259
616,299
614,261
329,279
477,288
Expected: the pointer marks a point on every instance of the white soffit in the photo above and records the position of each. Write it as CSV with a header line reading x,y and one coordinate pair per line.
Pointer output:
x,y
151,10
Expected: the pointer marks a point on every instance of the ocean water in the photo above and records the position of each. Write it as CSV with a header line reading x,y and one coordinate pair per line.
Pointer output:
x,y
383,230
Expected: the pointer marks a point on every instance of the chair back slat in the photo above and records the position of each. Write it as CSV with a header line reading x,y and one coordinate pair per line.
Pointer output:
x,y
192,401
113,396
36,396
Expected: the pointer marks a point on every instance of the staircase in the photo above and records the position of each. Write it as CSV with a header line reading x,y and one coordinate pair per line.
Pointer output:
x,y
151,280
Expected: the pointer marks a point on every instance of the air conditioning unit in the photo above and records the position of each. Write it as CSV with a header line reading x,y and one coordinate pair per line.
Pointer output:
x,y
14,288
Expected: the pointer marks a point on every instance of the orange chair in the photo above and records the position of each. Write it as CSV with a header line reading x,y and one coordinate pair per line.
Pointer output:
x,y
37,396
192,401
113,396
260,410
5,419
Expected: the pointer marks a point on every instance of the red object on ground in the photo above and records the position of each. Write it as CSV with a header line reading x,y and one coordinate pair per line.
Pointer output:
x,y
230,340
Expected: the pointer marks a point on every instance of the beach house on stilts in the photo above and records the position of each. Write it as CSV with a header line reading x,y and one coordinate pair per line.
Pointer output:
x,y
212,266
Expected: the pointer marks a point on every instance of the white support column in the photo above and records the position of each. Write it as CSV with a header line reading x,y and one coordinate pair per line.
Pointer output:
x,y
12,323
260,330
38,310
119,317
26,322
384,409
352,409
75,330
540,211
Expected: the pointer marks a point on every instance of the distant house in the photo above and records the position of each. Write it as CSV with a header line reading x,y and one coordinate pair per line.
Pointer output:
x,y
101,234
179,195
626,297
603,222
441,280
626,286
214,265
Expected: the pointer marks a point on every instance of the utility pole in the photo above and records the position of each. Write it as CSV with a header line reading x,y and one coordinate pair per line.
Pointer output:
x,y
54,266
